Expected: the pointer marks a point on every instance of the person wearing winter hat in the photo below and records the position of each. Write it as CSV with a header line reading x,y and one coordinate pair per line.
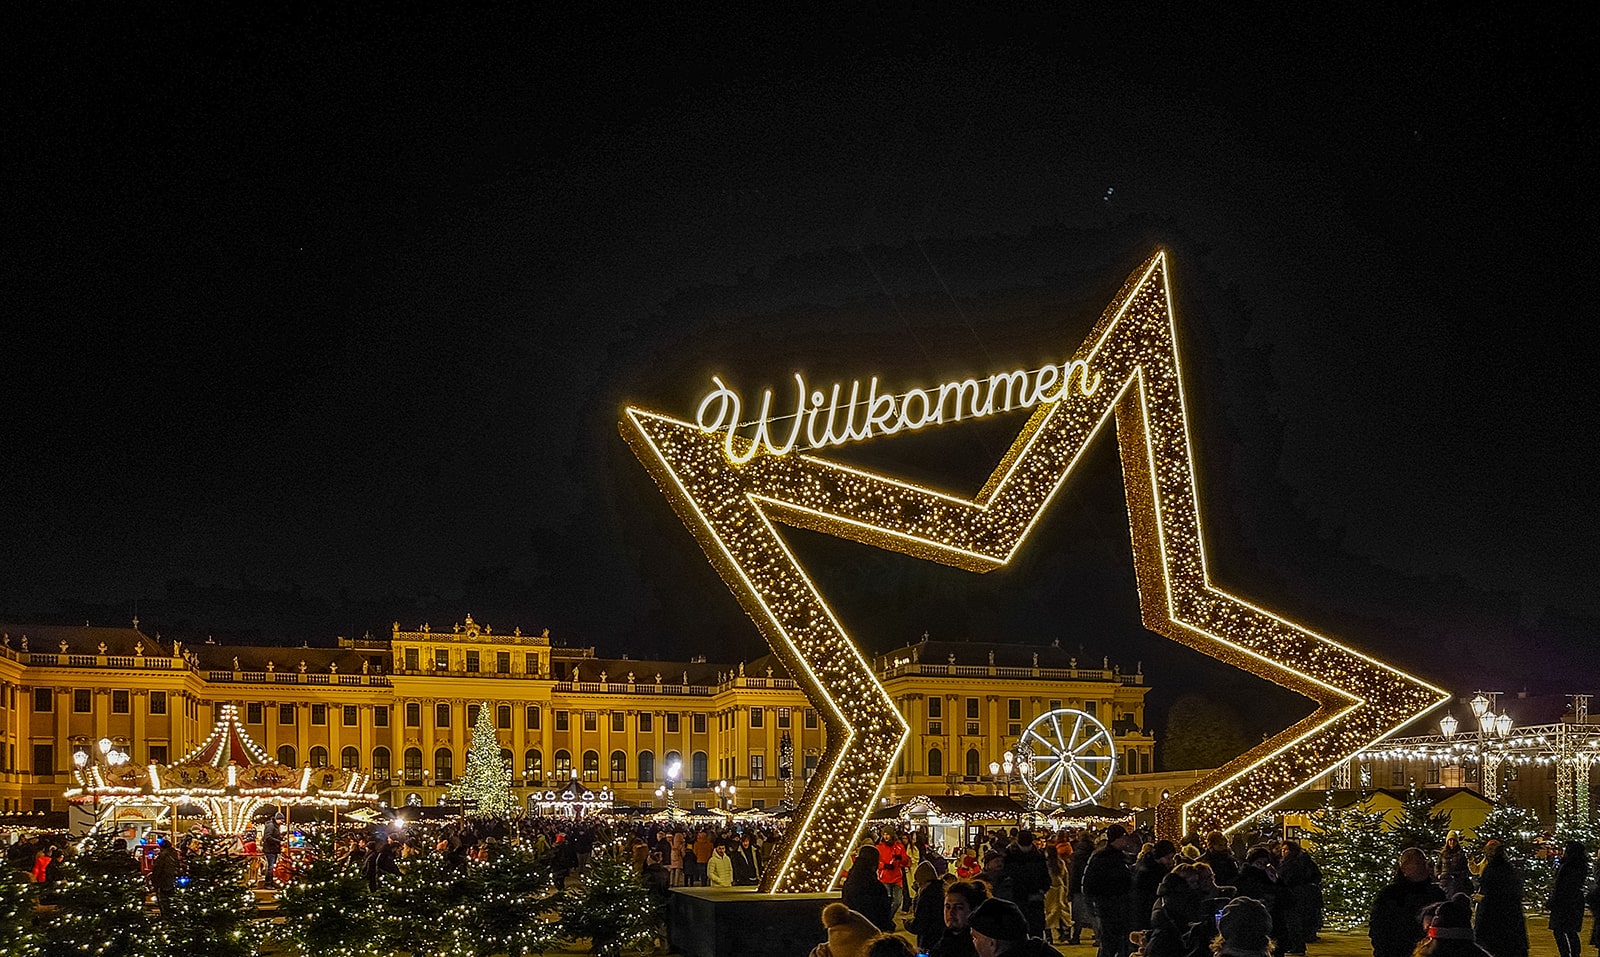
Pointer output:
x,y
849,932
1244,930
998,927
1448,925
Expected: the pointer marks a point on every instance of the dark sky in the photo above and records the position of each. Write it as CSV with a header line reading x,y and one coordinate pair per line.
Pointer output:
x,y
324,321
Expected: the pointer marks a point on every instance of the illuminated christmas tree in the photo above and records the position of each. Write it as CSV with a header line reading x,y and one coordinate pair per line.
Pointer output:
x,y
17,900
611,907
100,905
327,911
487,778
1357,854
1419,825
212,911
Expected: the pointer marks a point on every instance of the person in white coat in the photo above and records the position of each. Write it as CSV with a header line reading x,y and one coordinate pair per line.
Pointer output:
x,y
720,868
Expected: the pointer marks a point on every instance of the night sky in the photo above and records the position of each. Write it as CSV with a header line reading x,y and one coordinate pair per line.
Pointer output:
x,y
322,322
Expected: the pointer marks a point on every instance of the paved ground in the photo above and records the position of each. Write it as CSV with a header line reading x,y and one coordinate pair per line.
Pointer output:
x,y
1333,943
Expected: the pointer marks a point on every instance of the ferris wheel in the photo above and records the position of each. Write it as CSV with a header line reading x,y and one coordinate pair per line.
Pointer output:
x,y
1068,758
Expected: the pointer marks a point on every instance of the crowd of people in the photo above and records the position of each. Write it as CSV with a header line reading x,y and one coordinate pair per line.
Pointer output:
x,y
1015,892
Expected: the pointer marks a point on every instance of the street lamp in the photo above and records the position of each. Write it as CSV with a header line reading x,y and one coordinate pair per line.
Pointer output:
x,y
1002,770
1448,724
110,757
726,792
666,790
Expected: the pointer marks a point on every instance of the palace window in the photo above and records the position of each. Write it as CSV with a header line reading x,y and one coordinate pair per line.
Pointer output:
x,y
935,763
758,767
351,716
413,765
646,722
82,700
563,764
757,717
472,661
783,718
533,764
472,715
43,701
619,767
158,704
502,662
591,722
319,714
286,756
502,717
698,777
318,758
441,715
441,659
380,716
699,720
672,722
286,714
563,720
443,766
412,664
532,717
935,706
647,767
617,721
252,713
380,763
158,754
811,719
349,759
413,714
591,765
119,702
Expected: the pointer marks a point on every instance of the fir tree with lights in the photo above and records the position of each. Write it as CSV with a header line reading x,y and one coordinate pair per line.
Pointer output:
x,y
1419,825
1357,853
1518,831
17,900
212,911
611,907
516,912
100,905
487,777
327,911
424,911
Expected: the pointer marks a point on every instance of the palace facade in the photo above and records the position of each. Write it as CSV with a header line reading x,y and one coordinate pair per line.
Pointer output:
x,y
403,710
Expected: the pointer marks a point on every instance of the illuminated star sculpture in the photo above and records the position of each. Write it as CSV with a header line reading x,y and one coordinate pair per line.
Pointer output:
x,y
733,507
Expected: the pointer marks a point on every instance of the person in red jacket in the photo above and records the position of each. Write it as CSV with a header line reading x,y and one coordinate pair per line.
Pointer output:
x,y
892,863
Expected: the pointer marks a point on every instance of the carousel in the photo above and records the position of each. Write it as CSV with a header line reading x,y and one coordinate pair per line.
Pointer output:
x,y
228,777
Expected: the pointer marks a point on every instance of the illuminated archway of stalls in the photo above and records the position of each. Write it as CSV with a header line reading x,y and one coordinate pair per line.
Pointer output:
x,y
228,775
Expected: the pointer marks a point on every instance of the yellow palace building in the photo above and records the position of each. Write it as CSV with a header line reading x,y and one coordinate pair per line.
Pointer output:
x,y
403,710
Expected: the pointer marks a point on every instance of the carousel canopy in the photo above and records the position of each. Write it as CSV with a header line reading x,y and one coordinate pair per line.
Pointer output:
x,y
228,775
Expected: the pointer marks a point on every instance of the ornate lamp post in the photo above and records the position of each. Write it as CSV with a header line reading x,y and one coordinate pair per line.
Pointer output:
x,y
674,768
726,793
1003,770
109,757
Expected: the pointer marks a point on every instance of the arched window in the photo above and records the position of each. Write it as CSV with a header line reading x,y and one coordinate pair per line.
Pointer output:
x,y
286,756
349,759
591,765
505,758
413,765
318,757
699,775
533,765
380,763
444,766
972,763
647,767
935,763
619,767
563,765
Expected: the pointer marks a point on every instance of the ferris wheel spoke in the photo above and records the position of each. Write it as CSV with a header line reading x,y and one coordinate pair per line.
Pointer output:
x,y
1066,756
1053,779
1080,791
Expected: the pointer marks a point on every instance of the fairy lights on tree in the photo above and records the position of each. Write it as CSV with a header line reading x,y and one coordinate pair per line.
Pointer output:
x,y
487,778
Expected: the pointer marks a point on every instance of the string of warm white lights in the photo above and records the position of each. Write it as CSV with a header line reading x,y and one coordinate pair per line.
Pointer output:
x,y
730,493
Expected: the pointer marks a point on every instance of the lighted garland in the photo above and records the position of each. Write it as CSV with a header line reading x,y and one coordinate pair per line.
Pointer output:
x,y
730,499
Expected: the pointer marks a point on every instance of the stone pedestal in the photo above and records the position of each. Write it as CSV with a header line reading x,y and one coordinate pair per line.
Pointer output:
x,y
740,922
